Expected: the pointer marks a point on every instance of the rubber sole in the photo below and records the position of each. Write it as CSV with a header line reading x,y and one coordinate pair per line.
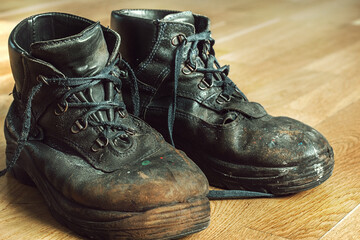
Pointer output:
x,y
279,181
163,222
275,180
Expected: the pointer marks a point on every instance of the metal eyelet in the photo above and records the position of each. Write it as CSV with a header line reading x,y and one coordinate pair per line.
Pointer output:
x,y
130,131
123,74
99,144
188,68
225,99
204,82
207,45
42,79
79,126
117,89
177,40
122,113
61,109
123,136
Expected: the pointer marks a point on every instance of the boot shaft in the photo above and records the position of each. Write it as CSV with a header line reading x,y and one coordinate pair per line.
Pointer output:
x,y
30,37
193,72
146,30
68,85
150,41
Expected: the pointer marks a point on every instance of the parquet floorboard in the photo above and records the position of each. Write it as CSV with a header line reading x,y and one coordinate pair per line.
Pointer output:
x,y
298,58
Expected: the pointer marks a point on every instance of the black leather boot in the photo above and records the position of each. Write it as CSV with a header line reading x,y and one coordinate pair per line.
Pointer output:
x,y
103,172
186,95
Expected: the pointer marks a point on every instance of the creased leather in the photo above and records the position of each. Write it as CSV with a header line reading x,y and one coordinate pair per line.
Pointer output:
x,y
112,178
234,131
90,48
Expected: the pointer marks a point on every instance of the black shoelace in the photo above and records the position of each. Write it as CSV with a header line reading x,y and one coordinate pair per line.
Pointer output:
x,y
110,75
214,76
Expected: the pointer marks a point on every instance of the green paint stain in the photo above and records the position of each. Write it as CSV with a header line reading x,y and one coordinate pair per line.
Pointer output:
x,y
146,162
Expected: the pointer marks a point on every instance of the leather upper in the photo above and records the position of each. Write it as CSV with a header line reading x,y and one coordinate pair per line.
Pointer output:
x,y
90,48
134,171
234,131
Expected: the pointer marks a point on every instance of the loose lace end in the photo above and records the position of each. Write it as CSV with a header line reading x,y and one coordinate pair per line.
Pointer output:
x,y
3,172
236,194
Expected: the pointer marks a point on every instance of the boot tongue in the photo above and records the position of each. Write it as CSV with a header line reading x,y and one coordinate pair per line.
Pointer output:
x,y
81,55
185,17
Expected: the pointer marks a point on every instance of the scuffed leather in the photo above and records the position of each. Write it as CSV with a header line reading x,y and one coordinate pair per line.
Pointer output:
x,y
237,131
169,176
87,61
114,178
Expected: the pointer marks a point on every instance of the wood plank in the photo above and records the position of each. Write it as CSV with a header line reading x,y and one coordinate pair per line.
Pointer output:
x,y
297,58
347,228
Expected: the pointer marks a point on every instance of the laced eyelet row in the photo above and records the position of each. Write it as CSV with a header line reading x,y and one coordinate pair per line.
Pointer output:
x,y
82,124
188,67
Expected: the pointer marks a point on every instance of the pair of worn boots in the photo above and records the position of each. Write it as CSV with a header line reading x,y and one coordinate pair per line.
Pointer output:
x,y
78,126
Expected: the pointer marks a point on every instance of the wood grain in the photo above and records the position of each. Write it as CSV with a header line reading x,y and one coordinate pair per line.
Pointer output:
x,y
346,228
298,58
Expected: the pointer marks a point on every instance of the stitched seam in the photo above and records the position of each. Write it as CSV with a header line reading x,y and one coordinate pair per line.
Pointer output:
x,y
197,119
165,71
33,30
50,14
73,16
128,11
156,46
144,86
59,41
162,75
162,72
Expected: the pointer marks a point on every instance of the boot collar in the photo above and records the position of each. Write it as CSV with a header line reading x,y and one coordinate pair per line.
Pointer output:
x,y
24,34
137,45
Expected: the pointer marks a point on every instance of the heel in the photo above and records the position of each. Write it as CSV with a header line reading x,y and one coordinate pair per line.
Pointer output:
x,y
21,176
18,172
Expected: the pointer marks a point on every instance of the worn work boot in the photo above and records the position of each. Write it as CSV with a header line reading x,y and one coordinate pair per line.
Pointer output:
x,y
186,95
103,172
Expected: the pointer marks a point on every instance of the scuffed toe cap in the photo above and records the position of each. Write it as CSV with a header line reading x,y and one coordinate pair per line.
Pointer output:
x,y
292,143
167,176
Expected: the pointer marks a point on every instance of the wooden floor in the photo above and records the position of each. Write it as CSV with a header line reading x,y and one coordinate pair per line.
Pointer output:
x,y
299,58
